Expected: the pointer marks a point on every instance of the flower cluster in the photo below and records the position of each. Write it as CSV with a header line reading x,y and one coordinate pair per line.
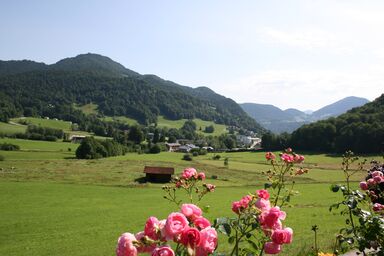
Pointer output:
x,y
190,181
191,232
374,186
268,218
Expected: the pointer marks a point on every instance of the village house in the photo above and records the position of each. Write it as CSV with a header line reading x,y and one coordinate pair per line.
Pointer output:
x,y
173,147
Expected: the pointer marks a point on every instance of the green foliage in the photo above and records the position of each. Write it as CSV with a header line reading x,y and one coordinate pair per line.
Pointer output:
x,y
9,147
209,129
155,149
90,148
187,157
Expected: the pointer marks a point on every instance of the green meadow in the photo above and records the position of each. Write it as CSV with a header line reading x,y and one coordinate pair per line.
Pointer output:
x,y
54,204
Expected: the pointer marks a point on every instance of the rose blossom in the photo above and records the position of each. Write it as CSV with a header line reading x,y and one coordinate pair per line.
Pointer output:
x,y
189,173
190,237
151,228
299,158
271,219
175,225
287,158
125,245
371,182
262,193
208,241
237,207
191,211
210,187
378,179
377,174
201,176
262,204
163,251
282,236
272,248
201,223
377,207
364,185
270,156
143,246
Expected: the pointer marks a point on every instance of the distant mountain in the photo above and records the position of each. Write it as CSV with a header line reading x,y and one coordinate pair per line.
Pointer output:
x,y
338,108
360,129
50,90
278,121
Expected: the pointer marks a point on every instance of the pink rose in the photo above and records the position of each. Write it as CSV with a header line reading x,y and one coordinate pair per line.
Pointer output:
x,y
298,158
125,245
245,200
271,219
189,173
143,247
237,207
163,251
151,228
208,241
191,211
201,223
377,174
287,158
175,225
262,193
262,204
270,156
282,236
364,185
201,176
210,187
378,179
371,182
378,207
272,248
190,237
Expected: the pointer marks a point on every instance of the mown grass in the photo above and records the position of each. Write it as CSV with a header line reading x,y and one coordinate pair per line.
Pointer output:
x,y
53,204
6,128
51,123
60,219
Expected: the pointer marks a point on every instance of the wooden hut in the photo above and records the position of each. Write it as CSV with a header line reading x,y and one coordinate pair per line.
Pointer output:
x,y
158,174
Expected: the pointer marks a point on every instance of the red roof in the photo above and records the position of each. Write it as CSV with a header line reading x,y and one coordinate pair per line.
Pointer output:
x,y
159,170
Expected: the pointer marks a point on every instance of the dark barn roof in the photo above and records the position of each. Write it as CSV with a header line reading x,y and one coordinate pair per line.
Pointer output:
x,y
159,170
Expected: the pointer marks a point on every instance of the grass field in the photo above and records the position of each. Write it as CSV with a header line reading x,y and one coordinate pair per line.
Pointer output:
x,y
53,204
51,123
6,128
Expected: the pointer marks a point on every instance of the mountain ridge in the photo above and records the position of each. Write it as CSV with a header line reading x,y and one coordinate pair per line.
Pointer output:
x,y
114,88
278,120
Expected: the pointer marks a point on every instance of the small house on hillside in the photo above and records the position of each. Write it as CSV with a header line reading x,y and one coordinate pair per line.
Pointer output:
x,y
158,174
172,147
76,138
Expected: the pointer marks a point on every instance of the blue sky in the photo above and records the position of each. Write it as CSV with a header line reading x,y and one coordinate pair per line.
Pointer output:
x,y
289,53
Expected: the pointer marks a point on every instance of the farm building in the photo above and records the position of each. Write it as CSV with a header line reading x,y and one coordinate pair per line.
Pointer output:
x,y
158,174
172,147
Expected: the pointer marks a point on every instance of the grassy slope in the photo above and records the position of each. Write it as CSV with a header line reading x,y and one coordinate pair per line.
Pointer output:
x,y
51,206
56,124
6,128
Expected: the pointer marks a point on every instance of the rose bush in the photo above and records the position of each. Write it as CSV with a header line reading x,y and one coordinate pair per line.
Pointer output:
x,y
257,228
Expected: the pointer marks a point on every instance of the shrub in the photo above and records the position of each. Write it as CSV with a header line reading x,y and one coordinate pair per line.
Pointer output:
x,y
195,153
155,149
2,158
187,157
9,147
216,157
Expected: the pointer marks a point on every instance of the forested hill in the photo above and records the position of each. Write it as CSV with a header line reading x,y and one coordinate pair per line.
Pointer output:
x,y
361,130
31,88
